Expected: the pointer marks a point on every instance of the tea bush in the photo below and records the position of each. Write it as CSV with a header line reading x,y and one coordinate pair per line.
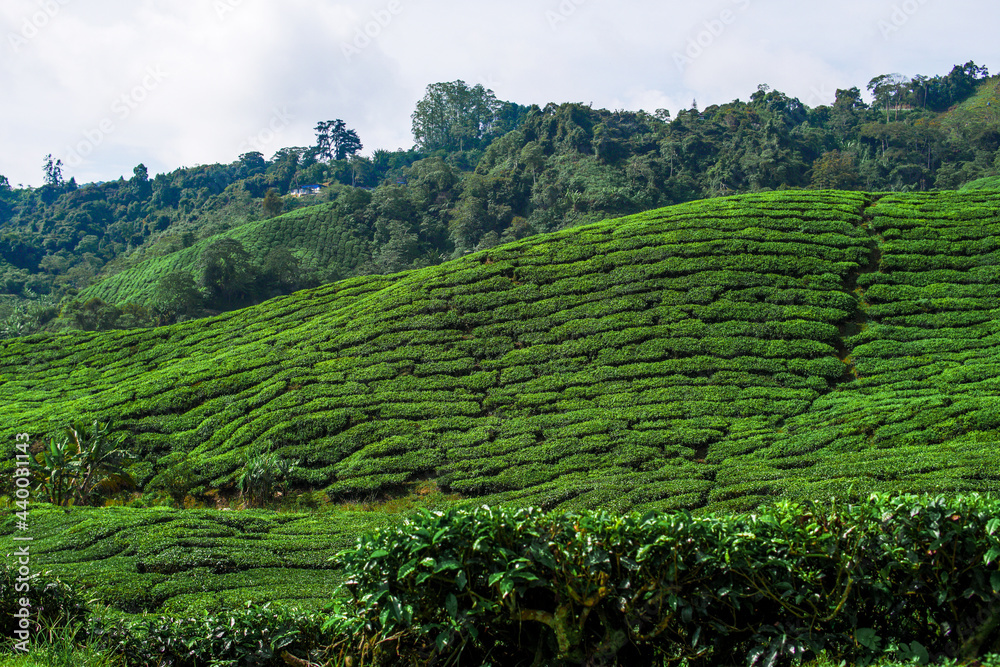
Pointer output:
x,y
503,586
815,311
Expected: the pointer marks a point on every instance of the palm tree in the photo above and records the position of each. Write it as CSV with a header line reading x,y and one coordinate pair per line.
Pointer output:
x,y
82,464
264,473
53,469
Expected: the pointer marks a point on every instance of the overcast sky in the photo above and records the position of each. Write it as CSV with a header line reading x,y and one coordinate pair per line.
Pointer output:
x,y
106,84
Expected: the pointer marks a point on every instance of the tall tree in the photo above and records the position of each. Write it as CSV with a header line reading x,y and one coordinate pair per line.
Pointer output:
x,y
272,203
227,271
140,184
454,117
835,170
251,163
6,194
335,141
53,171
280,270
177,296
888,92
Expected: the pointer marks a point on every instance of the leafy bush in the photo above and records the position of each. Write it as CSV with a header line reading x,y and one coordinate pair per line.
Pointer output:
x,y
81,464
265,474
53,603
254,636
500,586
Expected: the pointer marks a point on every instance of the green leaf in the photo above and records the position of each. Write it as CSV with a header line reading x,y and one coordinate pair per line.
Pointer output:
x,y
451,605
406,569
379,553
461,580
915,651
867,638
447,564
394,609
542,555
495,577
687,614
995,582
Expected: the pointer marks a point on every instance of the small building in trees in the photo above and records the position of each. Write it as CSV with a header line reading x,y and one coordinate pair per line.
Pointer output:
x,y
304,190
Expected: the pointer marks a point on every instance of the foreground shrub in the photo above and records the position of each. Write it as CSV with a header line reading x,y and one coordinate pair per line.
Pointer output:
x,y
249,637
81,464
53,603
912,577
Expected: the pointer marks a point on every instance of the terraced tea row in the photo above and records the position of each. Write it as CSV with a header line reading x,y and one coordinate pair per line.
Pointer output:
x,y
175,561
319,238
689,356
923,411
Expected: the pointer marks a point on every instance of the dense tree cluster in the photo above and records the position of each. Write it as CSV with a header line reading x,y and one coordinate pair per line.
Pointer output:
x,y
484,171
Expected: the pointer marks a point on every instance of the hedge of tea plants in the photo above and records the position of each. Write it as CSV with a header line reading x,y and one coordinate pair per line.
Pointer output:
x,y
915,576
713,354
922,409
178,561
898,577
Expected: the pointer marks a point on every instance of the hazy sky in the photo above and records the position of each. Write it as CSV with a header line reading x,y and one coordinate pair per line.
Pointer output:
x,y
106,84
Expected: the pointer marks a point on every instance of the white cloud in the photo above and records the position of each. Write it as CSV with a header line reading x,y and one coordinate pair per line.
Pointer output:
x,y
239,74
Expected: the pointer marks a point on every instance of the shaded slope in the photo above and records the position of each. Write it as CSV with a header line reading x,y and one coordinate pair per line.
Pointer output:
x,y
317,236
979,110
658,360
178,561
924,410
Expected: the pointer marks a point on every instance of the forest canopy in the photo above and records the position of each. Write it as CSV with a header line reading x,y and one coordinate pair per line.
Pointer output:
x,y
482,171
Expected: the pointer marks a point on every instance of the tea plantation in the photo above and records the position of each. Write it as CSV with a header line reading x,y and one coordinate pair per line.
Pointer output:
x,y
710,356
684,357
321,239
177,561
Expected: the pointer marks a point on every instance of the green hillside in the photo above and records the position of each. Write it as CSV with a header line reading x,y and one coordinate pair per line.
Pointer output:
x,y
711,354
317,236
980,111
175,561
539,169
988,183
